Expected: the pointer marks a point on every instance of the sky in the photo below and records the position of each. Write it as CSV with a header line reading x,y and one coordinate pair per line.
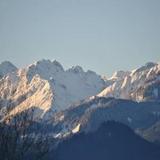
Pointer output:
x,y
100,35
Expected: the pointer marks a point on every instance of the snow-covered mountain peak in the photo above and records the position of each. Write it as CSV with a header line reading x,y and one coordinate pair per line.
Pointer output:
x,y
50,70
46,64
145,67
119,75
140,84
44,68
150,64
47,86
7,67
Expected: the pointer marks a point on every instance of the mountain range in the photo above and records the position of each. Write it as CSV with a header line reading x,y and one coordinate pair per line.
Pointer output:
x,y
31,85
73,101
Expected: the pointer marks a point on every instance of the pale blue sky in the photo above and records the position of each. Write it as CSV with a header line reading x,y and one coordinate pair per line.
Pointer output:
x,y
101,35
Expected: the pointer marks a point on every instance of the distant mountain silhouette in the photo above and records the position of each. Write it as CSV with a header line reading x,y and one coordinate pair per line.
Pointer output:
x,y
112,141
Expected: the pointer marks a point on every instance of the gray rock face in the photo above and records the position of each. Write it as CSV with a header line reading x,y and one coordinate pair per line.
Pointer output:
x,y
6,67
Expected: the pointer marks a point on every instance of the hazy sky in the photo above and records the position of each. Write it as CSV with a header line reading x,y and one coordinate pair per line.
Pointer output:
x,y
101,35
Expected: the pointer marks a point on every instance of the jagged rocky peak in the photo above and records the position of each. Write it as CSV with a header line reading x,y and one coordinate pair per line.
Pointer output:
x,y
147,66
6,67
76,69
58,64
6,63
140,84
120,74
55,88
49,69
150,64
47,64
44,68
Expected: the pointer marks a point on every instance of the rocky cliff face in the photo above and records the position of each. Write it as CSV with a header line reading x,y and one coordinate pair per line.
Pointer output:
x,y
139,85
47,86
